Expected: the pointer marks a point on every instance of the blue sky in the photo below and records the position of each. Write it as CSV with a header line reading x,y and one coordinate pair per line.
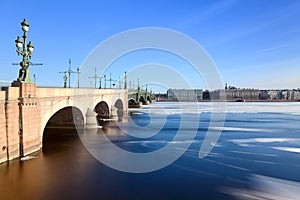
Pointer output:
x,y
254,43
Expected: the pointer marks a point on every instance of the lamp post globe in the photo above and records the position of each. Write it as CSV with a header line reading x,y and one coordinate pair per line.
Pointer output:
x,y
25,25
30,46
18,42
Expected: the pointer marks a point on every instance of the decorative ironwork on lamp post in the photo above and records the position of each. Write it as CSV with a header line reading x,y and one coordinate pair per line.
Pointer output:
x,y
25,50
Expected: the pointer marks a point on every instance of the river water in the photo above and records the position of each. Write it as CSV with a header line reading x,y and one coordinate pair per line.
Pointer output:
x,y
257,156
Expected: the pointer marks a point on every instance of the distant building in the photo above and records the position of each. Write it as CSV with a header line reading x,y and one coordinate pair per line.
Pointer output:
x,y
235,94
296,95
232,94
286,95
264,95
216,95
206,95
274,94
184,94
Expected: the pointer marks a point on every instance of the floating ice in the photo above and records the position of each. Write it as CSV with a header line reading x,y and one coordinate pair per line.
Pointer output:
x,y
289,149
266,188
27,158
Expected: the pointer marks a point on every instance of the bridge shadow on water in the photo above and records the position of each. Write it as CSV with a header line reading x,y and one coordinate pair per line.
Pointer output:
x,y
59,139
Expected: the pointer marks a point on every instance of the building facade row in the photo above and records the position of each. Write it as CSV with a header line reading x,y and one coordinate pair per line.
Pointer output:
x,y
232,94
184,94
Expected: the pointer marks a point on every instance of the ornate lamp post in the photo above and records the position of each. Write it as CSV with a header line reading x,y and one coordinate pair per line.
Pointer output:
x,y
125,81
65,80
78,72
25,50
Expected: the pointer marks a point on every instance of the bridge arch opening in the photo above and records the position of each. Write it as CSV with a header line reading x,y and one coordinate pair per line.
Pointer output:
x,y
142,99
66,117
131,102
102,110
61,127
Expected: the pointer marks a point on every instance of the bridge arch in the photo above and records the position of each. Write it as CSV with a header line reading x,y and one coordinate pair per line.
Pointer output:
x,y
102,110
69,117
131,101
142,99
66,116
52,108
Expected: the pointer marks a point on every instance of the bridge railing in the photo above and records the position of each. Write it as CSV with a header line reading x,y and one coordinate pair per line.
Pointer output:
x,y
57,92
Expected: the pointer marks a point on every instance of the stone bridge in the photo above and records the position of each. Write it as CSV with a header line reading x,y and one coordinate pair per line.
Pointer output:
x,y
136,98
26,110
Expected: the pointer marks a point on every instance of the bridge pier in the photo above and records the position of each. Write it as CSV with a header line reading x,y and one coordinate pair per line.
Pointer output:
x,y
113,112
91,120
22,114
10,112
